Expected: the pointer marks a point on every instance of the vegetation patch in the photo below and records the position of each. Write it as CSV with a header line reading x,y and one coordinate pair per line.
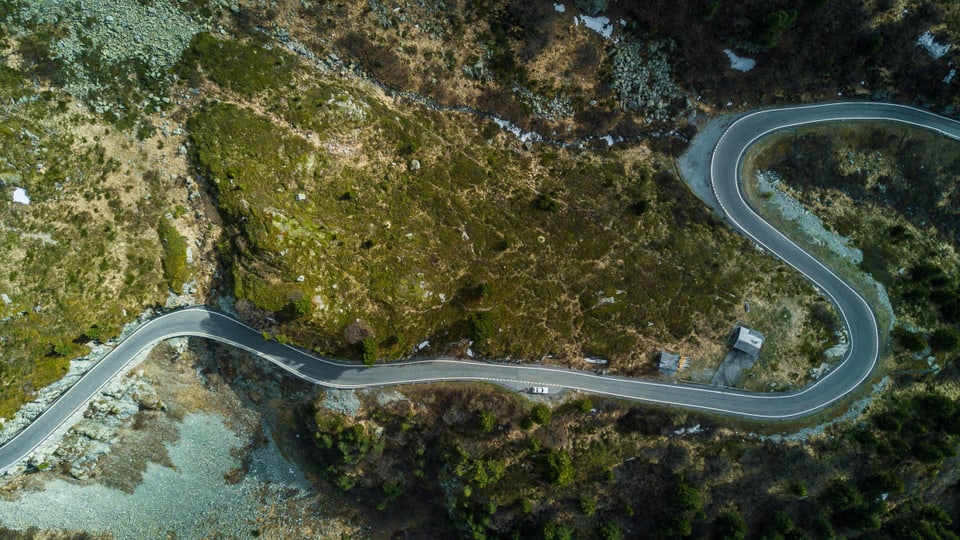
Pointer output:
x,y
82,257
614,471
893,191
435,227
174,255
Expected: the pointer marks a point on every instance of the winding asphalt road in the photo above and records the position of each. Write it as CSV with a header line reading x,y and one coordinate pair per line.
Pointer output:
x,y
725,165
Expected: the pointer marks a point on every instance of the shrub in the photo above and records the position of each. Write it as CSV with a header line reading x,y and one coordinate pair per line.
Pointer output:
x,y
587,505
944,339
584,405
545,203
540,414
730,526
686,498
775,24
559,468
94,333
841,496
556,531
609,530
911,341
301,307
486,420
481,327
369,350
62,349
482,290
174,255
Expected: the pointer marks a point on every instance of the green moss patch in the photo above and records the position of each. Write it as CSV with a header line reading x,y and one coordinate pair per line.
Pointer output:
x,y
175,269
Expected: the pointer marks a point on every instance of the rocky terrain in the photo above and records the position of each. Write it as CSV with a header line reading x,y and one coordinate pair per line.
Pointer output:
x,y
176,424
131,128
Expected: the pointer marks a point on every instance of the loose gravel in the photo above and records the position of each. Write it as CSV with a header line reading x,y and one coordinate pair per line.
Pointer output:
x,y
191,500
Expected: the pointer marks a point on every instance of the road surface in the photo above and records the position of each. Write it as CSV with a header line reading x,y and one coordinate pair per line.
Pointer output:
x,y
725,165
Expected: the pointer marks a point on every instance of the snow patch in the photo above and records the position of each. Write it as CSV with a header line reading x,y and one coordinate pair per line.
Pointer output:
x,y
609,139
739,63
559,8
934,49
600,25
423,345
950,76
689,430
524,136
20,196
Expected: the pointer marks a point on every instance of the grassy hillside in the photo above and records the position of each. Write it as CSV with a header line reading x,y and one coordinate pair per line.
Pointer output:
x,y
349,210
82,257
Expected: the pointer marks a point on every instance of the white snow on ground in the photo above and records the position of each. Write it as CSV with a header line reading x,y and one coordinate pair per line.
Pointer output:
x,y
609,139
20,196
559,8
950,76
600,25
934,49
524,136
739,63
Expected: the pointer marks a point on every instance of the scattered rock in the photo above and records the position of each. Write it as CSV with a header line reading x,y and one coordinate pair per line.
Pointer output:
x,y
341,401
357,331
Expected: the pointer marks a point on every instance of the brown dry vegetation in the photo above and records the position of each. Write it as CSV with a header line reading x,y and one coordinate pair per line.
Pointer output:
x,y
804,52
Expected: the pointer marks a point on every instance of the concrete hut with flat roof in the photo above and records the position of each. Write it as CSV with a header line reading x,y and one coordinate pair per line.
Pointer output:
x,y
745,344
746,340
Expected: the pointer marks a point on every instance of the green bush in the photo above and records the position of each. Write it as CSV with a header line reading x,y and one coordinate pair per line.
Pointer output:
x,y
775,24
587,505
481,327
559,468
584,405
540,414
911,341
730,526
841,496
174,255
301,307
944,339
369,350
556,531
94,333
487,421
546,203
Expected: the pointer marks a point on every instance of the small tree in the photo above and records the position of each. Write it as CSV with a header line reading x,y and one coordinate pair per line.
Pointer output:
x,y
486,420
481,327
540,414
584,405
94,333
369,350
588,505
944,339
559,468
730,526
301,307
